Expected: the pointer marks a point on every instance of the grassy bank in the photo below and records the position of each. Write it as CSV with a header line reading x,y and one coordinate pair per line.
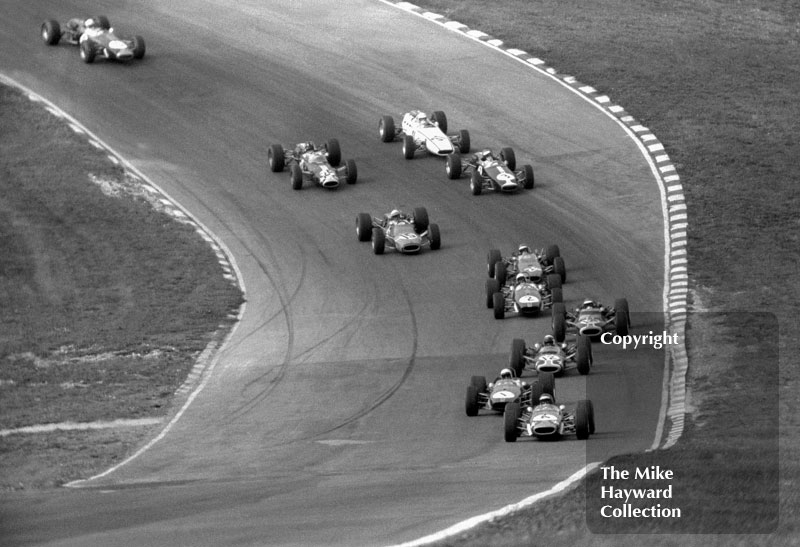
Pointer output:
x,y
105,302
717,84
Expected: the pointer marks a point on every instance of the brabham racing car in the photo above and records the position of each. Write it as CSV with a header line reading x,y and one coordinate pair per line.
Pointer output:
x,y
527,292
420,132
546,420
489,171
591,319
495,395
550,356
403,232
309,162
548,260
94,36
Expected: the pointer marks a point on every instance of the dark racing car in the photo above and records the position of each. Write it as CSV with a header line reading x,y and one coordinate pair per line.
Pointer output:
x,y
591,319
404,233
309,162
490,171
94,36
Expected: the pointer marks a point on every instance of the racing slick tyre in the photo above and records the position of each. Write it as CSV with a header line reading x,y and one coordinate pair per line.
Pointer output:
x,y
378,241
507,155
138,47
475,183
408,147
479,383
622,318
276,158
493,256
386,129
553,281
471,402
334,152
435,237
548,382
51,32
551,252
500,272
492,287
453,166
582,428
559,321
511,416
420,219
364,226
560,268
583,355
438,117
296,175
535,393
351,172
499,305
87,52
516,360
463,141
528,183
557,296
591,416
103,21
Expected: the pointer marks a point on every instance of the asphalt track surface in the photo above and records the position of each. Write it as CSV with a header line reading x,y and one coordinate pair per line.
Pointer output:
x,y
335,415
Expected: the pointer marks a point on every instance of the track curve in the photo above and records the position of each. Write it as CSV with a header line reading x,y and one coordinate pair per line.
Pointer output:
x,y
336,414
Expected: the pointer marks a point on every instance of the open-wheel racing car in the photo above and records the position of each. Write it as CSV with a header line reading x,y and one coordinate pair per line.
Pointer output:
x,y
490,171
309,162
420,132
544,419
403,232
548,260
527,292
550,356
94,36
591,319
505,389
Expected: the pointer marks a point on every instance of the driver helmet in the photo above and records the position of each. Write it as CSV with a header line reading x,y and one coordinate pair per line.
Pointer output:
x,y
422,117
524,249
506,373
395,213
521,278
588,304
545,399
485,155
549,340
92,23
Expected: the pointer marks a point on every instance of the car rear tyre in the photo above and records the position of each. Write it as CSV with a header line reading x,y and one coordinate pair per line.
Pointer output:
x,y
453,166
511,422
138,47
492,286
622,316
548,382
276,158
296,176
420,219
378,241
582,420
507,155
529,181
475,183
557,296
492,257
560,268
583,355
408,147
499,305
334,152
551,252
51,32
471,403
435,237
463,141
516,360
559,321
386,129
479,383
364,226
553,281
351,171
438,117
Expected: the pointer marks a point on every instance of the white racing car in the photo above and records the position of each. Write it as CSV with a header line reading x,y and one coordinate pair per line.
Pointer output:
x,y
420,133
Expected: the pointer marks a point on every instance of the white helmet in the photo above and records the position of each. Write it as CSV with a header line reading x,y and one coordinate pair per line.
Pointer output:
x,y
524,249
506,373
545,399
549,340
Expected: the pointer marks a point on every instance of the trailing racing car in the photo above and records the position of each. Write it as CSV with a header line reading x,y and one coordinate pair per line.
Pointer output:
x,y
550,356
505,389
309,162
528,292
94,36
490,171
546,420
404,233
548,260
420,132
591,319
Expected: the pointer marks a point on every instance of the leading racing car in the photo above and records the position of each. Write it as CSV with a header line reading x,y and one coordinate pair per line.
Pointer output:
x,y
405,233
547,420
490,171
420,132
95,37
591,319
309,162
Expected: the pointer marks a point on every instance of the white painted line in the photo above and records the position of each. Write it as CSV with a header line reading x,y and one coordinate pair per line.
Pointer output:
x,y
79,426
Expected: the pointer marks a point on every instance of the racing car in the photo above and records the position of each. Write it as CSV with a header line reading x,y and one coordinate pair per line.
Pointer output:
x,y
404,233
551,357
420,132
309,162
591,319
495,395
94,36
490,171
549,260
546,420
528,292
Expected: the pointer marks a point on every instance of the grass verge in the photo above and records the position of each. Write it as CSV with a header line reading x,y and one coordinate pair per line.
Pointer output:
x,y
105,301
716,82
